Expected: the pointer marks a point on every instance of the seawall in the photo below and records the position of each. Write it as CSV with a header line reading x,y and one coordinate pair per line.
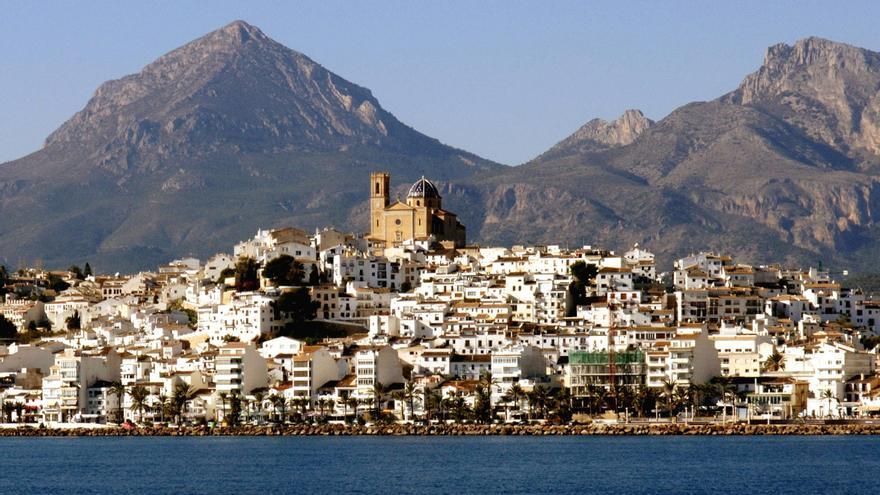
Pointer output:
x,y
460,430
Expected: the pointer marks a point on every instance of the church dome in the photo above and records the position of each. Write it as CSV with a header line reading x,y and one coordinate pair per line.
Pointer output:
x,y
423,188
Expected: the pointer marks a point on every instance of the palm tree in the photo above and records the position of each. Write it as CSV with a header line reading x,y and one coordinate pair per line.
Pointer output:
x,y
515,395
594,394
353,403
118,389
139,394
668,392
827,394
343,401
489,381
775,361
258,403
409,395
161,402
279,404
459,407
725,390
180,398
223,396
563,405
378,391
323,405
400,396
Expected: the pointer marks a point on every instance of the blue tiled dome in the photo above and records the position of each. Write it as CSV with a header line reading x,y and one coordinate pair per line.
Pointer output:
x,y
423,188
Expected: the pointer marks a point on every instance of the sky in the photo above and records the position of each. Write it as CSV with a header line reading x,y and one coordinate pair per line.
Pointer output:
x,y
505,80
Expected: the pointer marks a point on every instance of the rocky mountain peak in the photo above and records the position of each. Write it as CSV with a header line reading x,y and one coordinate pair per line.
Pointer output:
x,y
599,134
232,89
240,32
829,90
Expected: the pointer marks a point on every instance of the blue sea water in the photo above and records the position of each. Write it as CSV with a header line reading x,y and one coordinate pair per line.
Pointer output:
x,y
460,465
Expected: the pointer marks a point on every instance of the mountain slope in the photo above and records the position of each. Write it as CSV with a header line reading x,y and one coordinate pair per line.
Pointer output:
x,y
782,168
228,133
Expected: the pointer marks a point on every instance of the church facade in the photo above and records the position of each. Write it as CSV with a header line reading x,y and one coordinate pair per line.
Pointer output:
x,y
419,218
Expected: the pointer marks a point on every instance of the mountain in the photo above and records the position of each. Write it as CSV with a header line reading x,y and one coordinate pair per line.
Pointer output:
x,y
598,134
223,135
783,168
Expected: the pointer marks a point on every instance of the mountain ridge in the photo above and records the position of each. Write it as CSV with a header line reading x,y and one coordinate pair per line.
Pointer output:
x,y
781,168
227,133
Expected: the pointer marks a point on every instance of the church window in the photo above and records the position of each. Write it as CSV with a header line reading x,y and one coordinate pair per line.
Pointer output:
x,y
377,188
397,222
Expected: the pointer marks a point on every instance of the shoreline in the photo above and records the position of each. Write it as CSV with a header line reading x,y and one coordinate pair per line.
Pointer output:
x,y
666,429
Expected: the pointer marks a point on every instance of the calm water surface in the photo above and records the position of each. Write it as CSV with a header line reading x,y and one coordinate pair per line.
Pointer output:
x,y
379,465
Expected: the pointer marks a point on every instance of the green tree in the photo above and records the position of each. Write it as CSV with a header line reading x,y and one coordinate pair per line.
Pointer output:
x,y
119,390
57,283
409,395
139,394
234,417
284,270
483,404
314,276
246,274
297,305
8,330
669,393
77,272
87,271
582,275
73,321
379,392
775,361
180,399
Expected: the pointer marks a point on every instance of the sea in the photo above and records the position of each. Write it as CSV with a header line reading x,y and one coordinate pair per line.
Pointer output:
x,y
441,465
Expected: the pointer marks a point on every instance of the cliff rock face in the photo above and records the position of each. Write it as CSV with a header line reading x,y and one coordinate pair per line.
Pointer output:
x,y
598,134
226,134
782,168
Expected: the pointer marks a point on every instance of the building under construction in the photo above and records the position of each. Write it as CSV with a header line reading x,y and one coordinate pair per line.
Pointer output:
x,y
605,370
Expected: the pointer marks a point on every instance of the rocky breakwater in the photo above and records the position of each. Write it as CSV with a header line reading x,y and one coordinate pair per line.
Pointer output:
x,y
460,430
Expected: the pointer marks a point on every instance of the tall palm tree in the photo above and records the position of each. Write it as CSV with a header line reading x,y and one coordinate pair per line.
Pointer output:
x,y
668,392
542,399
459,407
180,399
516,395
258,404
775,361
138,394
223,396
280,407
563,405
353,403
594,394
378,391
118,389
159,404
400,397
827,394
489,381
343,401
409,396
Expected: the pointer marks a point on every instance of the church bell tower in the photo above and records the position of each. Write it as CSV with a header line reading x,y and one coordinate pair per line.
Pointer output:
x,y
380,183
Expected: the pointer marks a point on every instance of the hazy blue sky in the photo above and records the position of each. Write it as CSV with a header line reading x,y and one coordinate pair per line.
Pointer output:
x,y
505,80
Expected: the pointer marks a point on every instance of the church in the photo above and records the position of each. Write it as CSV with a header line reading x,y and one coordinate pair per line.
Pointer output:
x,y
420,218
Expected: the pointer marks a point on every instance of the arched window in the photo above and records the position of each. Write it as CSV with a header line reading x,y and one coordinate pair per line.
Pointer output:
x,y
377,187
